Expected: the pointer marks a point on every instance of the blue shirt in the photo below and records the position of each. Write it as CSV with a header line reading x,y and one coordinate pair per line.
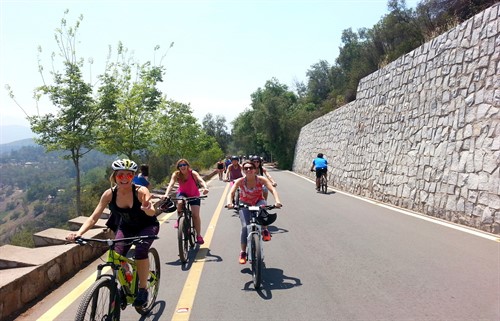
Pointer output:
x,y
140,180
320,163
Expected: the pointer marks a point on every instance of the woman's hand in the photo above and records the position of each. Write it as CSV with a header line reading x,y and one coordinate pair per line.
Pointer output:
x,y
230,205
278,205
72,236
205,191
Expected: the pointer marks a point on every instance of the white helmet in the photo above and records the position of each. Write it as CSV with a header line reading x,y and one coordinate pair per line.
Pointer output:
x,y
124,164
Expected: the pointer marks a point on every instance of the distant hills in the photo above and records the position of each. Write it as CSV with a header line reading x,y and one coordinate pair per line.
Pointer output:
x,y
13,133
6,148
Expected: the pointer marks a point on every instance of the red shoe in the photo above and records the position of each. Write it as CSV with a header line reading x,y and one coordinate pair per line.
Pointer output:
x,y
243,257
266,236
200,240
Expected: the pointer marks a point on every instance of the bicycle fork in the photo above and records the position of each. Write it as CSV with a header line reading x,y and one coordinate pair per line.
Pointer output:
x,y
251,232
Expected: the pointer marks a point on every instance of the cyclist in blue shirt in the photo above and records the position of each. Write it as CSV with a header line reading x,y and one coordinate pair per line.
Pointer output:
x,y
142,178
321,168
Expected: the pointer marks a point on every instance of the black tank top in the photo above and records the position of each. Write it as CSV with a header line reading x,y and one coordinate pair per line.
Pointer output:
x,y
132,219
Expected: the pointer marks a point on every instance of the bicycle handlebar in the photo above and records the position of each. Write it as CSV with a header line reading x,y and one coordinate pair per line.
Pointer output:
x,y
267,207
183,198
133,240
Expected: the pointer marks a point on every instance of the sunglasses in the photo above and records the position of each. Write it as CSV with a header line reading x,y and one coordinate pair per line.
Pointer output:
x,y
248,168
124,175
182,165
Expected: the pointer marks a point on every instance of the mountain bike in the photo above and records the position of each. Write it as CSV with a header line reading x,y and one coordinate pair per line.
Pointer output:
x,y
186,234
323,182
114,291
255,253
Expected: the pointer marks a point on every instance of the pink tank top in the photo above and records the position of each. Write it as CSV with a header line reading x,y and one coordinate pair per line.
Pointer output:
x,y
189,187
251,195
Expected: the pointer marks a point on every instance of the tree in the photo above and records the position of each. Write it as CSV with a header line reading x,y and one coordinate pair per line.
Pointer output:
x,y
217,129
178,135
72,128
131,95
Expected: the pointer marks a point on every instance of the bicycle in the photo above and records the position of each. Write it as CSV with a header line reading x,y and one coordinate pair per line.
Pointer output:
x,y
255,254
186,234
323,182
114,291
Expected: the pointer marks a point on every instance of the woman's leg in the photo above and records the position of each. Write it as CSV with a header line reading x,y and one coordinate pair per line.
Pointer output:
x,y
195,209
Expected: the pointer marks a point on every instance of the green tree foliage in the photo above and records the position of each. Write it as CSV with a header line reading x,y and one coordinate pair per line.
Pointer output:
x,y
179,135
129,91
216,128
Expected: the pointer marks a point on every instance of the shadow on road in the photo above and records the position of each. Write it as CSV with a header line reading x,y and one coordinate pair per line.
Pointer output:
x,y
156,312
272,279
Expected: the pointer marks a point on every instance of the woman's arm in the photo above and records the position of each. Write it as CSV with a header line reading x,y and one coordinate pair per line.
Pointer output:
x,y
230,196
173,178
96,215
273,190
145,198
266,173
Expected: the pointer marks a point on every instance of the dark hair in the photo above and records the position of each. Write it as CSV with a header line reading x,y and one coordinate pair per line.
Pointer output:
x,y
320,155
144,170
248,163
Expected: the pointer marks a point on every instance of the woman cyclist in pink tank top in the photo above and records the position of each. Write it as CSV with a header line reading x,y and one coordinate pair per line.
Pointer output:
x,y
188,181
250,194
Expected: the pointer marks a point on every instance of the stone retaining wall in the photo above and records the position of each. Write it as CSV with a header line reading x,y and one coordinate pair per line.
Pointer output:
x,y
424,132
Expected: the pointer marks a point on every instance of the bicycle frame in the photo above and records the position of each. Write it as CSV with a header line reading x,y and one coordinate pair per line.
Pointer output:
x,y
121,291
254,228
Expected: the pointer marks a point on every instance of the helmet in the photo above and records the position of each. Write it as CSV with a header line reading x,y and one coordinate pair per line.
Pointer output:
x,y
124,164
235,158
265,218
166,206
320,155
255,158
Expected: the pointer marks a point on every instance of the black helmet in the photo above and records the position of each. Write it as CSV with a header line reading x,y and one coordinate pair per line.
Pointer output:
x,y
255,158
235,158
165,206
265,218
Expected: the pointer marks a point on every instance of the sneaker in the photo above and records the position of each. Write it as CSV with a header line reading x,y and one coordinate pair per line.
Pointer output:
x,y
243,257
199,240
176,224
317,188
141,298
266,236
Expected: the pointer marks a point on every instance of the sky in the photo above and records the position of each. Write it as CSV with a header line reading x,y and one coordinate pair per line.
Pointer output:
x,y
223,50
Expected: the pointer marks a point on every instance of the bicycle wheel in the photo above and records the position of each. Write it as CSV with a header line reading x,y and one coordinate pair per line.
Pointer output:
x,y
190,232
153,281
256,256
324,184
98,302
183,239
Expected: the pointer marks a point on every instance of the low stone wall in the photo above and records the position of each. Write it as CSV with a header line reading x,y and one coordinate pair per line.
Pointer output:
x,y
424,132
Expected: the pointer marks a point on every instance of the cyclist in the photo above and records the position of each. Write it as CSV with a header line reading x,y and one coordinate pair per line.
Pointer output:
x,y
188,181
321,165
142,178
131,204
257,161
234,170
250,194
220,168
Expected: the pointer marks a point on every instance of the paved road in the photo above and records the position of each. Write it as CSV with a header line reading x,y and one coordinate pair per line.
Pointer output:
x,y
332,257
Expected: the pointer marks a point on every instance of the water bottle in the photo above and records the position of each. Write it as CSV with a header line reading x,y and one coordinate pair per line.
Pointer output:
x,y
127,272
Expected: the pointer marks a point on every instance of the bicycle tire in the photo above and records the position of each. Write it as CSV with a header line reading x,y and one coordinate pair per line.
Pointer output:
x,y
153,281
95,306
256,261
324,184
183,240
190,231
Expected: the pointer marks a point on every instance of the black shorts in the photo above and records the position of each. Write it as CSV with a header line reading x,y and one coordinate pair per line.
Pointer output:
x,y
320,171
